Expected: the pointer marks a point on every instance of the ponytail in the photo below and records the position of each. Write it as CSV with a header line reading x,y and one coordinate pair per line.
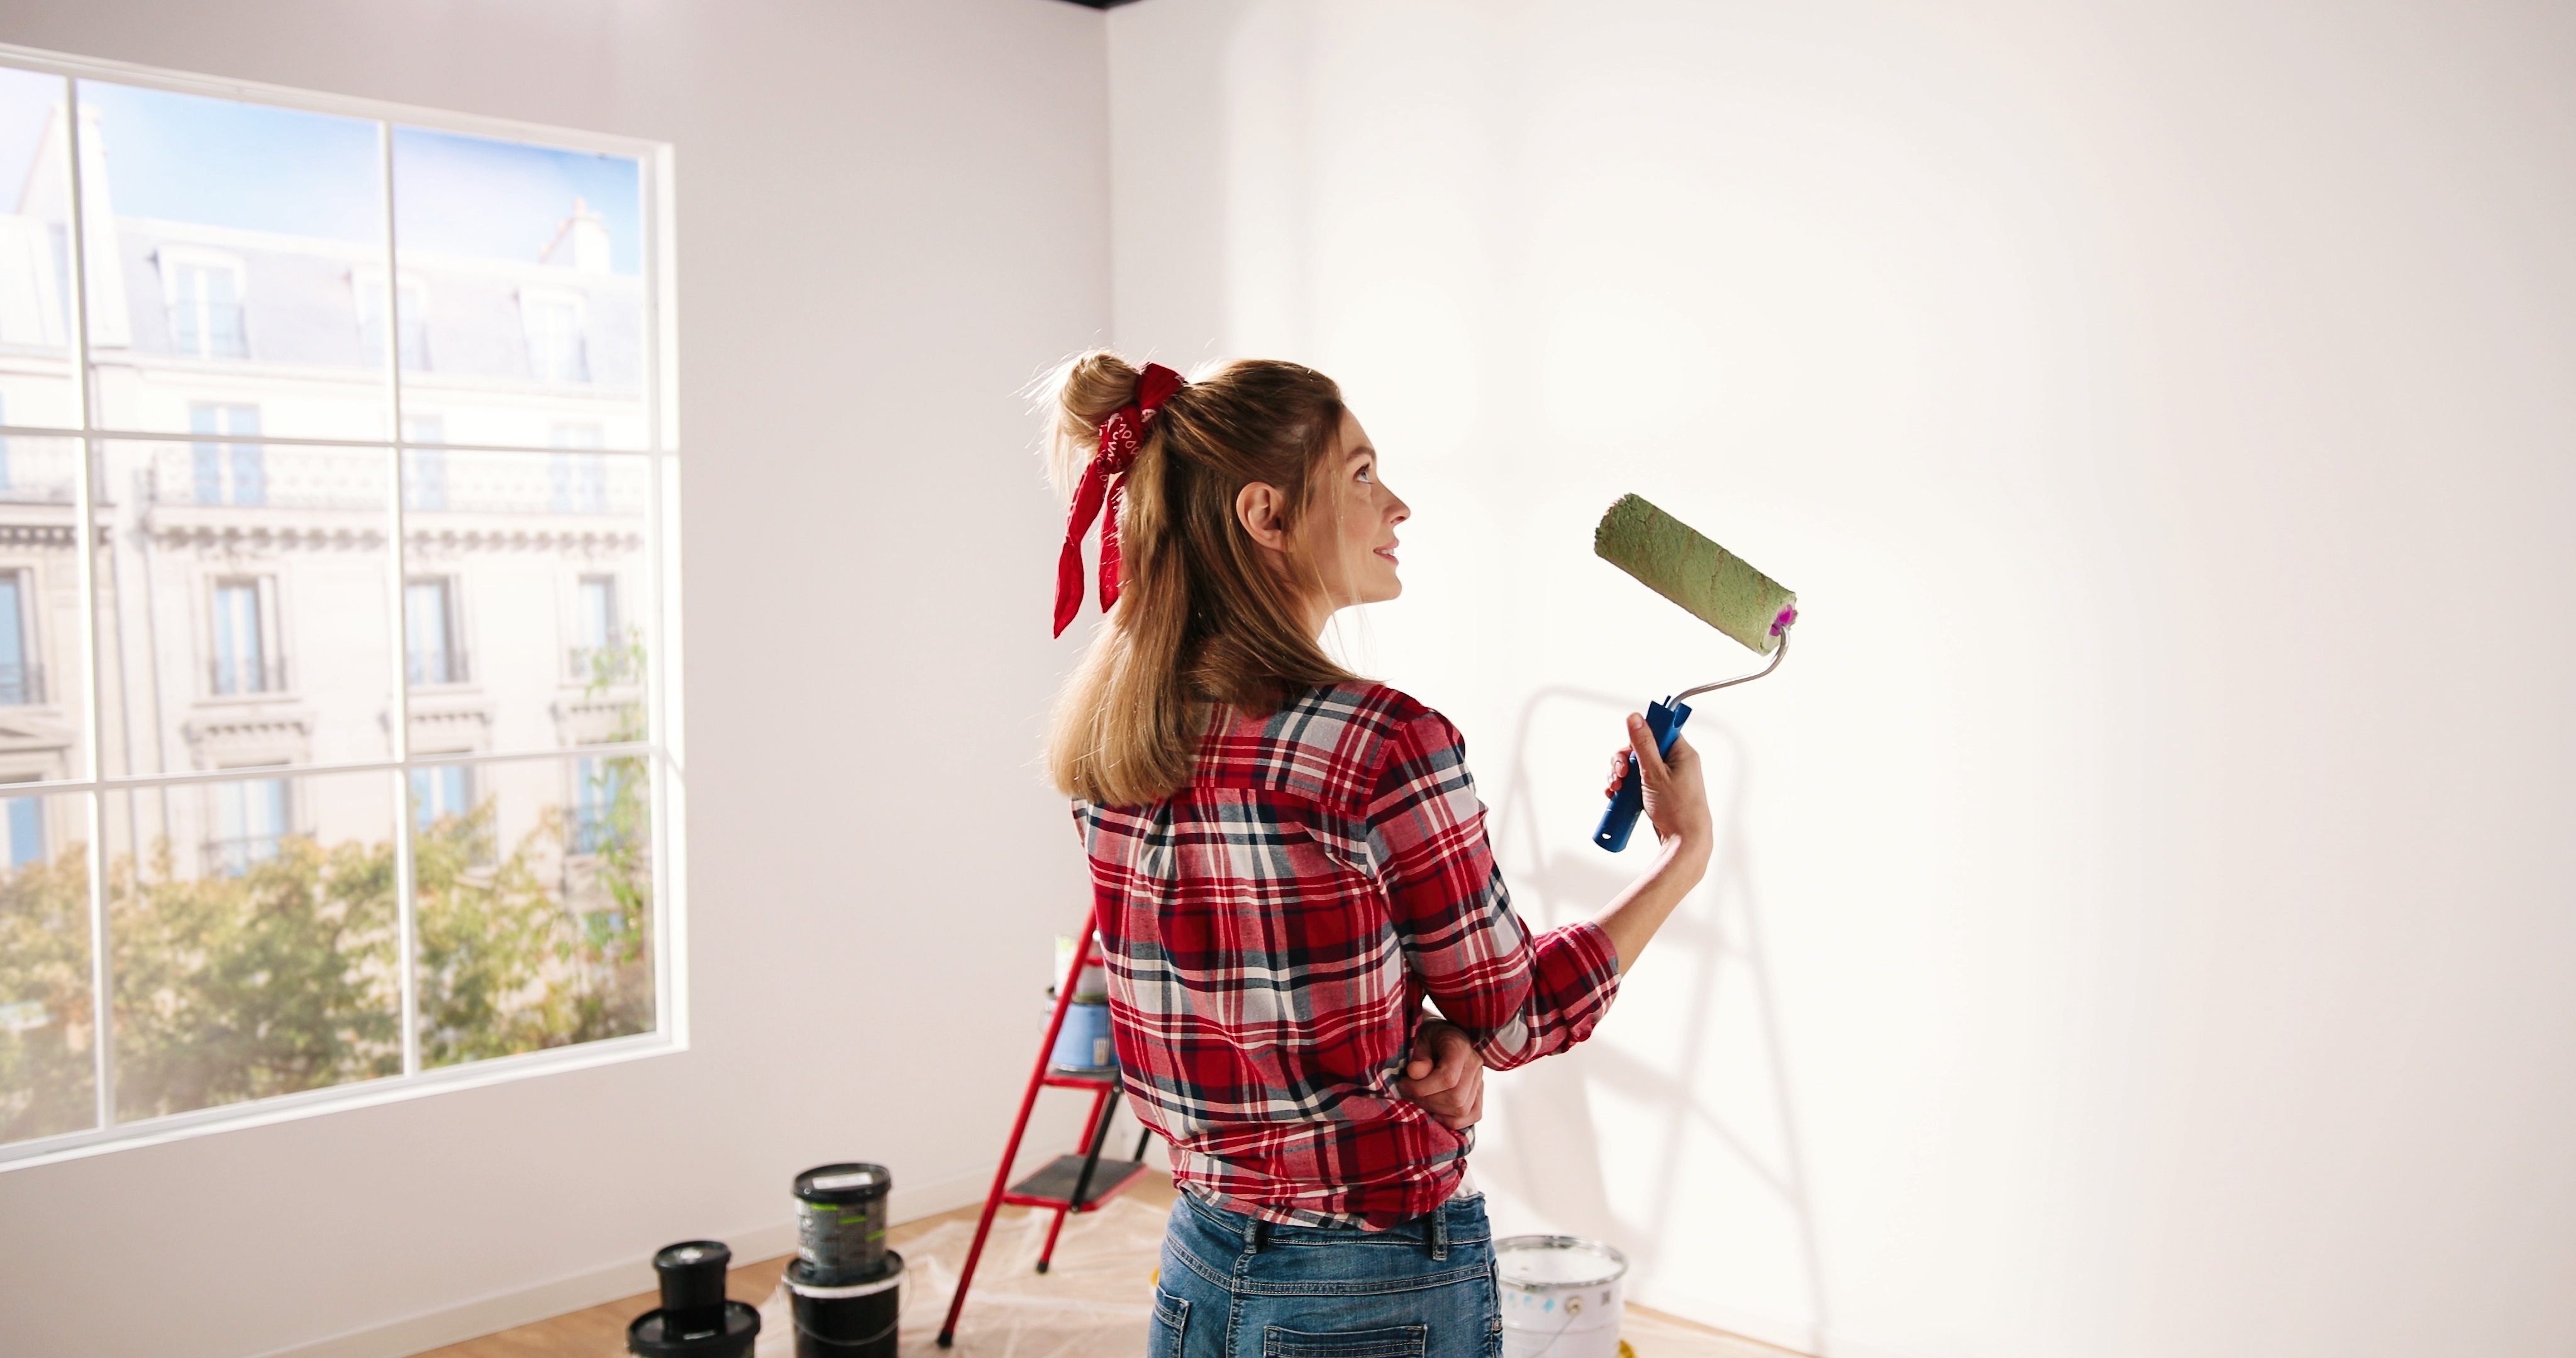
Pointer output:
x,y
1201,619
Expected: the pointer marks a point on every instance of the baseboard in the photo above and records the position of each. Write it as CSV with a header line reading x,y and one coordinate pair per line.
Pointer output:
x,y
590,1287
1794,1335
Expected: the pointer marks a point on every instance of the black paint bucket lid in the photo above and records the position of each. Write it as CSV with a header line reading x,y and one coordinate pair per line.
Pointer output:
x,y
851,1182
652,1336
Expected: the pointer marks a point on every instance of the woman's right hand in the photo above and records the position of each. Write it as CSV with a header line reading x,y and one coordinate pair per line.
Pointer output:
x,y
1676,797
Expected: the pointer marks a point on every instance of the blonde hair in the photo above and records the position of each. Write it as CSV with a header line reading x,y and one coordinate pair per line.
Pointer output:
x,y
1201,619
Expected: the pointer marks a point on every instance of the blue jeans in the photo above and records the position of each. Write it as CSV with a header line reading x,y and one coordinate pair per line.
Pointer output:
x,y
1234,1286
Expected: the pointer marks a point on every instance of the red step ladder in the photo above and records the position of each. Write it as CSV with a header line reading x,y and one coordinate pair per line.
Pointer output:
x,y
1079,1182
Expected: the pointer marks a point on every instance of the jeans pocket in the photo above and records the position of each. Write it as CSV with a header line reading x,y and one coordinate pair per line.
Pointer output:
x,y
1400,1341
1170,1326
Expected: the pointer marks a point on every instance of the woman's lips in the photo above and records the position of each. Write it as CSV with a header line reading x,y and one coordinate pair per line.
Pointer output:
x,y
1387,551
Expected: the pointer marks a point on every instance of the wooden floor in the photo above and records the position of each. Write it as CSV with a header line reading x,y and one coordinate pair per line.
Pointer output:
x,y
600,1330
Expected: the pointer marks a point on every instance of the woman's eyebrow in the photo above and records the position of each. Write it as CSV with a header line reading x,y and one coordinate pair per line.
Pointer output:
x,y
1363,451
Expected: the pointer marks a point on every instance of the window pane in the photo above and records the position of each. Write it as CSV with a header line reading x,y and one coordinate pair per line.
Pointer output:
x,y
234,248
537,562
529,263
536,910
35,254
243,616
47,1066
251,927
44,684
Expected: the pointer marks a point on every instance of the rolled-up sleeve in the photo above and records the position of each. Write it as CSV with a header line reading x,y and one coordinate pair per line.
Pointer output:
x,y
1518,997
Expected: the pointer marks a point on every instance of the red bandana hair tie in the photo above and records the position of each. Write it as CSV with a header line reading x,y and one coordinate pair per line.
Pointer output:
x,y
1104,486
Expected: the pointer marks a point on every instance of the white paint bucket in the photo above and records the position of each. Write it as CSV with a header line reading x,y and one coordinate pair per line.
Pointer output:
x,y
1560,1296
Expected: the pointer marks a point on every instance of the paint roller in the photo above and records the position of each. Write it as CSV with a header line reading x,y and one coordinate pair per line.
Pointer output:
x,y
1716,586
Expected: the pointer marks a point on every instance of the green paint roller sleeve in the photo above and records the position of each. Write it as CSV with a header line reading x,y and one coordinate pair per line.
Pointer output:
x,y
1672,559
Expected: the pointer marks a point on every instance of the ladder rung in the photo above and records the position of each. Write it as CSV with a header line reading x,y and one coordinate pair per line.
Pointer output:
x,y
1053,1185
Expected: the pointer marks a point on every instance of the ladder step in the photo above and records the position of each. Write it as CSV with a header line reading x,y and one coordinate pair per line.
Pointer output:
x,y
1053,1185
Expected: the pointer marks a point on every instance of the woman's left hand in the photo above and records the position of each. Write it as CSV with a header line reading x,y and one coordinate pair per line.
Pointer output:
x,y
1445,1075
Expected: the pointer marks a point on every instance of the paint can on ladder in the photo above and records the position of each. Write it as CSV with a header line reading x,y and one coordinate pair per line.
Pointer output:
x,y
1561,1296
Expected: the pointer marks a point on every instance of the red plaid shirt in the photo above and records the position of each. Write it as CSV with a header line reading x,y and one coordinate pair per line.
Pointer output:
x,y
1270,932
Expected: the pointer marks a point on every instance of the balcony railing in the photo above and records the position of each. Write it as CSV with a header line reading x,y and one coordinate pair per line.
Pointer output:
x,y
438,667
436,482
21,685
230,680
602,664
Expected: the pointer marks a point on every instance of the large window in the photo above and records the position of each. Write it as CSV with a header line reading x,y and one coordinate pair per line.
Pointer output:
x,y
342,769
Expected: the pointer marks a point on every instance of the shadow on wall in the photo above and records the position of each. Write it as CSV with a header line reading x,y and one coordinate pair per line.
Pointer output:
x,y
1660,1066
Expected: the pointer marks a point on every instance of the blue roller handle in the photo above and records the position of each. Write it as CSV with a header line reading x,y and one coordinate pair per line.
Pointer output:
x,y
1620,817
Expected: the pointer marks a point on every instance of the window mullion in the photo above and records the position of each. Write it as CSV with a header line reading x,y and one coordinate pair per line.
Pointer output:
x,y
406,907
85,567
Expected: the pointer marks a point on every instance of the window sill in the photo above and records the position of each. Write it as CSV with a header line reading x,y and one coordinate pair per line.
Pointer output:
x,y
313,1102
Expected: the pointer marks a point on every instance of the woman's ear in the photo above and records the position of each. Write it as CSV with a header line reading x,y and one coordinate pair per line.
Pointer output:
x,y
1257,507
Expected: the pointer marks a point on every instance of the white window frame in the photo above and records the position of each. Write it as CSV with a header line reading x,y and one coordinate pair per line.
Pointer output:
x,y
171,260
659,618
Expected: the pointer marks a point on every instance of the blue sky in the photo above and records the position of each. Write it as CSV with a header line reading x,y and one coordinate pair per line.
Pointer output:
x,y
187,158
504,199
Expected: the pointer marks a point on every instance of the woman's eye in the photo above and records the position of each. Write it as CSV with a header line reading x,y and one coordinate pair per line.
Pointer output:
x,y
1366,476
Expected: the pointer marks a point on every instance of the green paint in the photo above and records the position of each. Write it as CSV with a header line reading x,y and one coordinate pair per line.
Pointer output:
x,y
1674,560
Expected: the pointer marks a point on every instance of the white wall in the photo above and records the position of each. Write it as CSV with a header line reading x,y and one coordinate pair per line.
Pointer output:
x,y
889,215
2144,923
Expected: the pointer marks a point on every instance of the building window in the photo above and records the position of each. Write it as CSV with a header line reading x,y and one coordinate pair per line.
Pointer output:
x,y
246,659
599,787
205,296
440,792
249,821
21,682
558,351
412,310
26,816
228,473
595,655
432,649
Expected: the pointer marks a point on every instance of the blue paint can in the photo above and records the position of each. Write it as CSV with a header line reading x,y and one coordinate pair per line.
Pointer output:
x,y
1083,1042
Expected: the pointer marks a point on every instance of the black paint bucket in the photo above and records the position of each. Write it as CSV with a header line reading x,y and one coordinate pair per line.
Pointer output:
x,y
841,1222
851,1320
694,1319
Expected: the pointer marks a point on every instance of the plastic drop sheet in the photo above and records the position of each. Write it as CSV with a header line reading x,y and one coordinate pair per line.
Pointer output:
x,y
1093,1302
1096,1297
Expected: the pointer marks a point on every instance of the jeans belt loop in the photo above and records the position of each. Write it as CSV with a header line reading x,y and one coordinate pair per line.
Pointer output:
x,y
1440,1232
1258,1236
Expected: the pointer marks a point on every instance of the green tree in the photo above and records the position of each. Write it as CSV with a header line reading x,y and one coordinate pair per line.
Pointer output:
x,y
284,977
46,1025
241,987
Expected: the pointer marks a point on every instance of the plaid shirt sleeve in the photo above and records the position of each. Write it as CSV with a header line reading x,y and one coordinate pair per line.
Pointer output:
x,y
1517,997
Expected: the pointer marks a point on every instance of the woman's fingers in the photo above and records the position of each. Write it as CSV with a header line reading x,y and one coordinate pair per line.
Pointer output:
x,y
1641,743
1618,770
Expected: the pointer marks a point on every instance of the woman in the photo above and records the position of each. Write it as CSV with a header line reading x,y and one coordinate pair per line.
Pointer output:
x,y
1288,861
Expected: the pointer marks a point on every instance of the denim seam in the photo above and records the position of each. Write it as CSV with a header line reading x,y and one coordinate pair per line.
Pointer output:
x,y
1385,1287
1201,1267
